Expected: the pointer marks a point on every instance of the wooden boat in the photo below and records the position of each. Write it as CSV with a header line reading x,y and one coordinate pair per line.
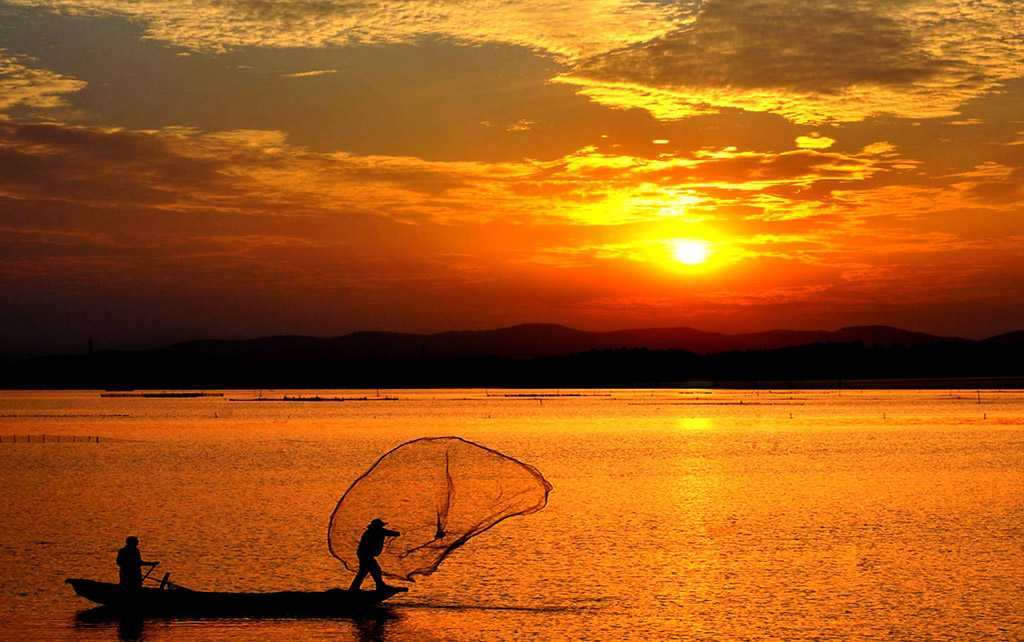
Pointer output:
x,y
176,600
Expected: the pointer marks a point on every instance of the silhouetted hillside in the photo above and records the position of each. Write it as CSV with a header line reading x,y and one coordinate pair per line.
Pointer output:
x,y
532,356
1010,338
530,341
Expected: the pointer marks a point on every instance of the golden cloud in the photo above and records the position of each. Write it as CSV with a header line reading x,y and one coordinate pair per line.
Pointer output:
x,y
226,204
827,61
257,174
307,74
177,207
814,140
565,29
21,84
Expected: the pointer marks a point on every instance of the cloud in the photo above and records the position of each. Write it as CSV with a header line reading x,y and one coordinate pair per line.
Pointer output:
x,y
814,140
22,85
520,125
564,29
814,62
307,74
592,188
244,219
993,183
224,203
243,172
259,175
880,148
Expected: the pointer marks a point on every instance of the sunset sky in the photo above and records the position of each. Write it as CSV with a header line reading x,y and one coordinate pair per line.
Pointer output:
x,y
173,170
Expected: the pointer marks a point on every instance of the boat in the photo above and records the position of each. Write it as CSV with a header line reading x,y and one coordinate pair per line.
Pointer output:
x,y
174,600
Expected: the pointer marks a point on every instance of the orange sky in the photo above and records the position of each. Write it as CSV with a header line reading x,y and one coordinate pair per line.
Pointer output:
x,y
229,169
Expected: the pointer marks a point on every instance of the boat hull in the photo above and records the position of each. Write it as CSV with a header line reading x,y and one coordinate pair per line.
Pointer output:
x,y
182,601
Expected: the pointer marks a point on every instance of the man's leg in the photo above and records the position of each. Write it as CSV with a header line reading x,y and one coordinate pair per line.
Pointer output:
x,y
357,581
375,573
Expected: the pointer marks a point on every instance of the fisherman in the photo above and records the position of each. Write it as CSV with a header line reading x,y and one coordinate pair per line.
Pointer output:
x,y
129,562
371,544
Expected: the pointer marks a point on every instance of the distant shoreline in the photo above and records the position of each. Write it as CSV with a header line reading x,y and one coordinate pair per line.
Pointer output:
x,y
963,384
1014,384
830,365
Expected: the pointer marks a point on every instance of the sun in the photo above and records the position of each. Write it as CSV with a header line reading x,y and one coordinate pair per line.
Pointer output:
x,y
690,252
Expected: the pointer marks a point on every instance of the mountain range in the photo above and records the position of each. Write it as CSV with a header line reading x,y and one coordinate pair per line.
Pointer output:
x,y
534,355
529,341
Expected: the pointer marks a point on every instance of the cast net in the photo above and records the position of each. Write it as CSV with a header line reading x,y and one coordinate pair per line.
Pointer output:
x,y
438,493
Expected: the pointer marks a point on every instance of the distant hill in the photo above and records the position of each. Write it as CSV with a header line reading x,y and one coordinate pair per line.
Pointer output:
x,y
529,341
1010,338
536,355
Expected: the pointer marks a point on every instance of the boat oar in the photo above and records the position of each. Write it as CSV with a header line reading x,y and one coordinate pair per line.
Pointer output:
x,y
165,582
151,567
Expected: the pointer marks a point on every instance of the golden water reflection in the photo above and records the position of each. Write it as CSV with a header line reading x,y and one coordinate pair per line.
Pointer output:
x,y
697,515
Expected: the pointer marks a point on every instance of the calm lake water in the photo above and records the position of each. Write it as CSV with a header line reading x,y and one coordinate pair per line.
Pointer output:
x,y
675,515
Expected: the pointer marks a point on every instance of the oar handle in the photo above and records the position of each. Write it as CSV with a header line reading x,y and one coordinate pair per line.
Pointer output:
x,y
152,565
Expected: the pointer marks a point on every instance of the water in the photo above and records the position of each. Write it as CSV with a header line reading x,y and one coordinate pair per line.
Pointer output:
x,y
675,515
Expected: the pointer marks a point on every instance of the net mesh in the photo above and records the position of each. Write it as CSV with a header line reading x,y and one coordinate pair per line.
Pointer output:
x,y
438,493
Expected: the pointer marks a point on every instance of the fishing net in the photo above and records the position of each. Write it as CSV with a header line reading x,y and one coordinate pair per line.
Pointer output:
x,y
438,493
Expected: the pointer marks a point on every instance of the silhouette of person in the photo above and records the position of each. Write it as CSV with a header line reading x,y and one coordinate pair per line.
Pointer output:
x,y
129,563
371,544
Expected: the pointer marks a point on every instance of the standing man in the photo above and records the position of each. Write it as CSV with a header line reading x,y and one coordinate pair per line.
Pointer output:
x,y
371,544
129,562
